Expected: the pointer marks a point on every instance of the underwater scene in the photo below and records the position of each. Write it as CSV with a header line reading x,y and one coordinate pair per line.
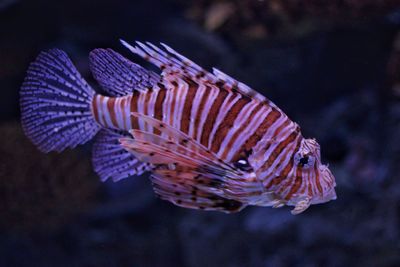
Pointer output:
x,y
200,133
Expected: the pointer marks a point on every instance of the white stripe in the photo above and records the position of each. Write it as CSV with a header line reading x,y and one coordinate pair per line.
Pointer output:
x,y
180,98
185,88
224,109
290,151
305,176
141,110
241,117
271,173
167,105
196,103
152,102
106,112
270,133
99,109
127,110
248,131
285,133
314,187
285,185
203,117
307,181
169,94
151,105
118,112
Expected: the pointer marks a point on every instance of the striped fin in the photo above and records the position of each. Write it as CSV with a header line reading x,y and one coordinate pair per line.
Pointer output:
x,y
181,142
186,183
157,150
175,65
175,147
190,182
118,75
241,87
171,178
189,195
170,62
111,160
56,103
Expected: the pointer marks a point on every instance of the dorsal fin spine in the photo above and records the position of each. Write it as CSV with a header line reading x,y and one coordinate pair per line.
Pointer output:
x,y
172,63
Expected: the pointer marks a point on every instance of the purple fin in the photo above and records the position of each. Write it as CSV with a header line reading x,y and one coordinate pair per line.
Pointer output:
x,y
170,62
111,160
118,75
56,103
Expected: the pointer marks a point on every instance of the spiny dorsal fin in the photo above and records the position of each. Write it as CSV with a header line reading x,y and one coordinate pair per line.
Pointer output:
x,y
241,87
174,64
170,62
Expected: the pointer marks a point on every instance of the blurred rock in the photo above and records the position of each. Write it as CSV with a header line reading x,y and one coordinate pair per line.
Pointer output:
x,y
271,18
41,191
217,14
213,239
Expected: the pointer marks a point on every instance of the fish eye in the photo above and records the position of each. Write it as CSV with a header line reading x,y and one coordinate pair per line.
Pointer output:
x,y
304,160
243,165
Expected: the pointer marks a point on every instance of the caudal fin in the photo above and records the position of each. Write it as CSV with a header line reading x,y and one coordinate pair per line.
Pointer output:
x,y
55,103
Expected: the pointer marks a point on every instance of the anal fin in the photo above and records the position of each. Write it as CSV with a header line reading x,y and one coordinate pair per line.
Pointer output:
x,y
111,160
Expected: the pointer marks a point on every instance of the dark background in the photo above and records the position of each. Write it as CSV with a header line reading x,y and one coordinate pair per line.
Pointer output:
x,y
333,67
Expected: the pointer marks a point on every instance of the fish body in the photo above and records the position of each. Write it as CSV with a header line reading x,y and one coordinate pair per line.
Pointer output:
x,y
209,141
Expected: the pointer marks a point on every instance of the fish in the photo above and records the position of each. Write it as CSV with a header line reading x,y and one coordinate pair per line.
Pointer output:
x,y
210,142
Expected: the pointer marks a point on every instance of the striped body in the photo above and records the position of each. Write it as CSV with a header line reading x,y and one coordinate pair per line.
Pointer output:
x,y
229,124
209,141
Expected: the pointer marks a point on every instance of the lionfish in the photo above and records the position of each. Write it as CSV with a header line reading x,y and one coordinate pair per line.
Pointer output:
x,y
209,141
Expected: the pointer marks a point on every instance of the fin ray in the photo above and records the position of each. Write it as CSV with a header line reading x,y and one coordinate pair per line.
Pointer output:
x,y
188,195
55,103
118,75
170,63
174,64
192,157
182,139
111,160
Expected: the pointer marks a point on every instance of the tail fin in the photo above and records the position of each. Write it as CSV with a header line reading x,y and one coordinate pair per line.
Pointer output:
x,y
56,103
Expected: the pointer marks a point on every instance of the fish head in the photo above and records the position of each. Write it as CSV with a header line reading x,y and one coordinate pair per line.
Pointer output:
x,y
317,183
